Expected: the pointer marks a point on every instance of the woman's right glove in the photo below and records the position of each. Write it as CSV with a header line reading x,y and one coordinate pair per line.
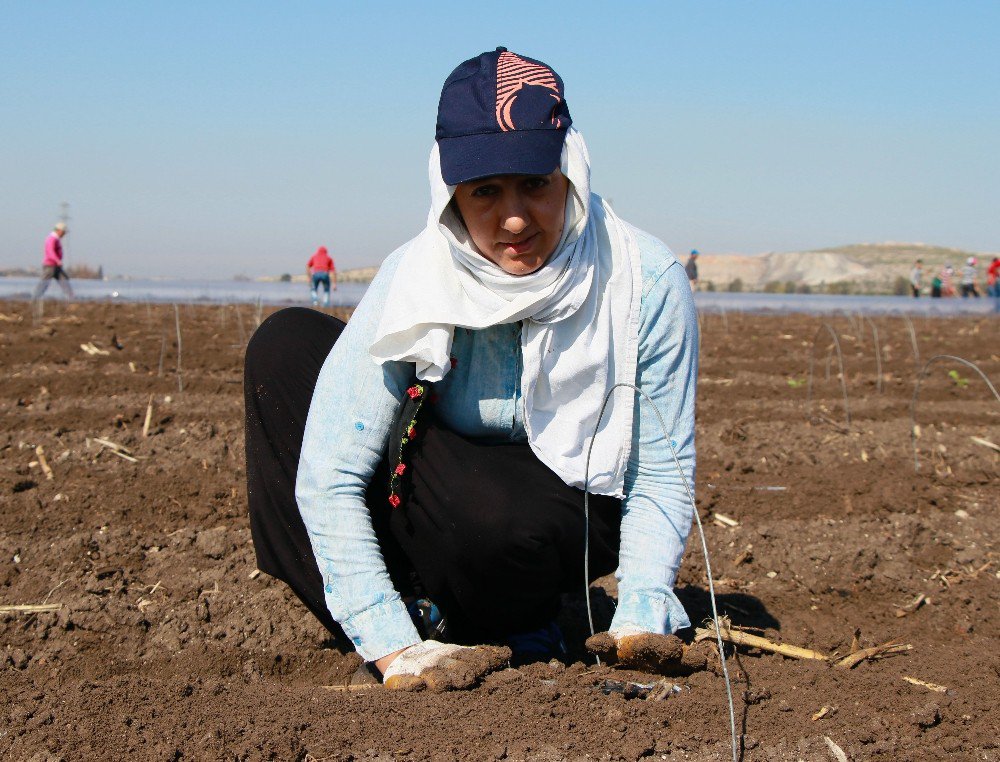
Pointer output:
x,y
443,666
631,648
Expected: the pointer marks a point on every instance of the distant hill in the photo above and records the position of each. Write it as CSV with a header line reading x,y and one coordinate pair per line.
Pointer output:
x,y
357,275
857,268
860,268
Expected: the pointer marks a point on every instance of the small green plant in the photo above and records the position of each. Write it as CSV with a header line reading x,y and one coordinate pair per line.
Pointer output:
x,y
959,381
795,383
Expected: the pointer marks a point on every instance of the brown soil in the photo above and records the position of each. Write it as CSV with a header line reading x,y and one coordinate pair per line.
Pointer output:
x,y
168,645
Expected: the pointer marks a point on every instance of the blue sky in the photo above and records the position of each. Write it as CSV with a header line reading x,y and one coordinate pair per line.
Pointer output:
x,y
209,139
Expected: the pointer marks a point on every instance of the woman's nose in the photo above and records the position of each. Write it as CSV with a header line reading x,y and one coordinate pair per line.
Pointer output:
x,y
515,216
515,224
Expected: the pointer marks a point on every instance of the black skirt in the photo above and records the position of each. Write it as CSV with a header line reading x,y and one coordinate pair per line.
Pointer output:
x,y
486,531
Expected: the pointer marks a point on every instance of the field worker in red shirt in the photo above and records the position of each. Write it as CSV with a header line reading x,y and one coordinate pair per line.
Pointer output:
x,y
319,269
993,278
52,268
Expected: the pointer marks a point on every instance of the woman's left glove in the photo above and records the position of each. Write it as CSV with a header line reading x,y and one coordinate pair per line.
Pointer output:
x,y
443,666
632,648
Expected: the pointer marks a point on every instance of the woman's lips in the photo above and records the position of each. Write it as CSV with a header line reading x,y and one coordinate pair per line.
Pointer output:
x,y
519,247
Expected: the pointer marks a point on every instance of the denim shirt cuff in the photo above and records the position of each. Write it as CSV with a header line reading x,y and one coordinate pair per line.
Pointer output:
x,y
381,629
661,613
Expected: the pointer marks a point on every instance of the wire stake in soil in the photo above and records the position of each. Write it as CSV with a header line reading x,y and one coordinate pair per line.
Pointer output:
x,y
701,534
177,321
840,360
163,351
878,356
913,340
916,393
239,323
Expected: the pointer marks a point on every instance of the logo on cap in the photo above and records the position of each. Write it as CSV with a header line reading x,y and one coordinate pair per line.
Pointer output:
x,y
520,80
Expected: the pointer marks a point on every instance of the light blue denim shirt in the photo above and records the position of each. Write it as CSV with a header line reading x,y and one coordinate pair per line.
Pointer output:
x,y
356,401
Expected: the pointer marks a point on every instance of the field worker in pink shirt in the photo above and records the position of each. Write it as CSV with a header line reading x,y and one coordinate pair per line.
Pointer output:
x,y
52,263
319,269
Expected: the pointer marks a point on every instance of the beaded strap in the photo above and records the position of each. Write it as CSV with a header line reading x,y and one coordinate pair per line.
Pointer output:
x,y
417,395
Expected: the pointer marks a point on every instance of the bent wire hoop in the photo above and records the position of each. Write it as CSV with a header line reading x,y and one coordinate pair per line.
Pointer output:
x,y
916,393
701,532
840,360
878,355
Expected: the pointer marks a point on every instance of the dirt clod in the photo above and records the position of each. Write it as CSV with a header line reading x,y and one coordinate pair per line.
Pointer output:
x,y
926,716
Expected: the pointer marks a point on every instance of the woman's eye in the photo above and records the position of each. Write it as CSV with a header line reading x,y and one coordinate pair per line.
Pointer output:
x,y
484,190
534,183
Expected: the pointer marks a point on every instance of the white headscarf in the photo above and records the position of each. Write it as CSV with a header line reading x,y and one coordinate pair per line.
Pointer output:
x,y
579,314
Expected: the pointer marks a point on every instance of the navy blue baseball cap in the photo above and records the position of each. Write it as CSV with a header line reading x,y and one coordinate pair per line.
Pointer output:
x,y
501,114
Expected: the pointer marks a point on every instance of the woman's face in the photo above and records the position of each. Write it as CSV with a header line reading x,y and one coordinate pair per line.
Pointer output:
x,y
515,221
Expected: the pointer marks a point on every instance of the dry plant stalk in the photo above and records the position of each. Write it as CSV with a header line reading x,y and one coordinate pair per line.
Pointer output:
x,y
116,449
30,608
857,655
924,684
91,349
824,711
46,469
985,443
740,638
149,417
835,750
886,649
913,605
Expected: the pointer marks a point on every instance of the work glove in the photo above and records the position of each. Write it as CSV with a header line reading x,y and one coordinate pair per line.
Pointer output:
x,y
443,666
632,648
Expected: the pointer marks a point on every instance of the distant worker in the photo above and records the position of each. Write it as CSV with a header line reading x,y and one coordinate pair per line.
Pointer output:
x,y
993,278
691,268
947,287
319,269
970,276
936,286
52,268
916,274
